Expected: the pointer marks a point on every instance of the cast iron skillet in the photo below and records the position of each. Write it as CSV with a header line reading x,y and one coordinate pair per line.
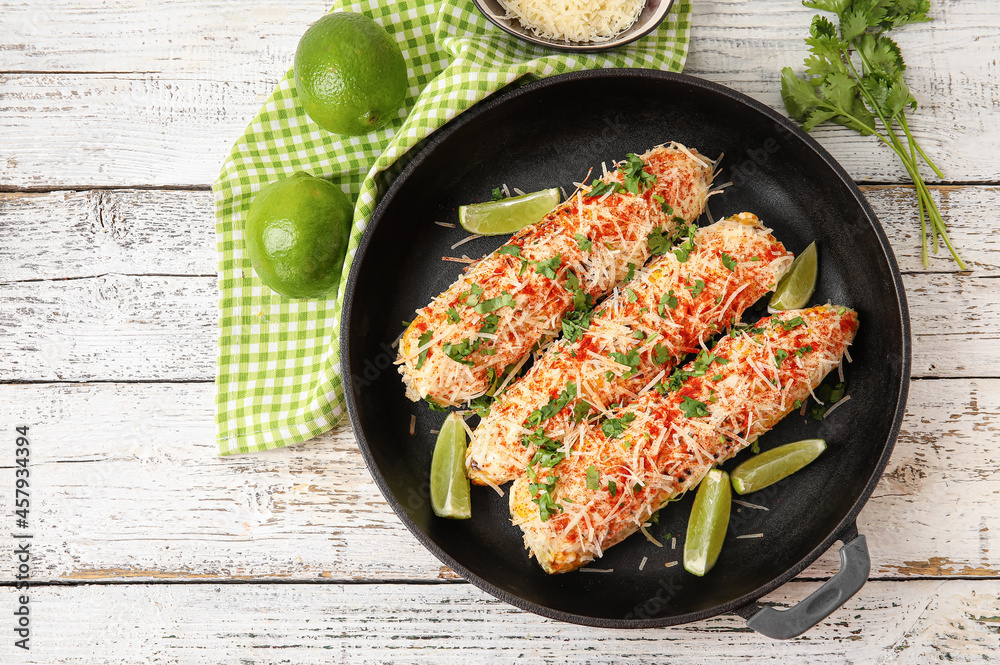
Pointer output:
x,y
549,133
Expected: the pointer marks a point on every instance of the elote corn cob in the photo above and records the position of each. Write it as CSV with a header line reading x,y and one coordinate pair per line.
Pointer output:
x,y
648,325
629,465
489,320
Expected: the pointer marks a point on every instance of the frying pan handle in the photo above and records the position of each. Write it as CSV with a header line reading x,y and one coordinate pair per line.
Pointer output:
x,y
855,564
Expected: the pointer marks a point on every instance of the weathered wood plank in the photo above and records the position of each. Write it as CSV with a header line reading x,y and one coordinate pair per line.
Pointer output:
x,y
120,129
138,328
149,327
964,211
139,232
216,39
69,234
313,512
193,80
913,622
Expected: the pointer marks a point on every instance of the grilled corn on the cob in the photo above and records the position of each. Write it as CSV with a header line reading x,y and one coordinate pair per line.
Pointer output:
x,y
661,445
637,335
489,320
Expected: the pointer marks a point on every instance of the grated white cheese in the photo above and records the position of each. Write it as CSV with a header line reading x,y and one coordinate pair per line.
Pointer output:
x,y
465,240
832,408
575,20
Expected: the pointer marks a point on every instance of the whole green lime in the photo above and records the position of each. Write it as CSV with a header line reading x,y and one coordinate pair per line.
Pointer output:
x,y
349,74
296,235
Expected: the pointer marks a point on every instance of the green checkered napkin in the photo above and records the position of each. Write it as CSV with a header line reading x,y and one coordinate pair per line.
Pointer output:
x,y
279,377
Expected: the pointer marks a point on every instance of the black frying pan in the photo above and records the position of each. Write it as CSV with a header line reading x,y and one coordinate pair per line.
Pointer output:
x,y
549,133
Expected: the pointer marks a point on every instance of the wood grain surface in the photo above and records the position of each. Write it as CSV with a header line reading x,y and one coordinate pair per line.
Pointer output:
x,y
148,547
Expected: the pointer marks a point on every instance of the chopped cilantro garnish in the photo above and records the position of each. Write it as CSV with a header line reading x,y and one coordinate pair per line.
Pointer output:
x,y
699,367
497,194
801,351
631,359
630,294
490,323
683,252
541,493
581,299
631,272
667,300
755,258
461,351
728,261
434,406
600,188
636,488
829,395
659,243
548,454
513,250
584,243
664,206
684,231
790,323
697,288
492,304
421,341
548,267
593,479
612,488
636,177
638,334
615,427
554,406
661,354
454,315
471,297
692,408
481,405
574,324
581,410
779,357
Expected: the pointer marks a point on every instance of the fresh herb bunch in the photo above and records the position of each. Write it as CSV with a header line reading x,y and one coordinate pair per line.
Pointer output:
x,y
860,98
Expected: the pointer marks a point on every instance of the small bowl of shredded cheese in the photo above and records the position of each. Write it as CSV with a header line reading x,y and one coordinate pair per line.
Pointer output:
x,y
576,25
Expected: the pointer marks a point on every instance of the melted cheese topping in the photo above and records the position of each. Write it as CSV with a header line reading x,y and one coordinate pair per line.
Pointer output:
x,y
667,448
616,227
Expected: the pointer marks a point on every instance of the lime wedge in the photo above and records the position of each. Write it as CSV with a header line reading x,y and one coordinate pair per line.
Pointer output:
x,y
494,218
708,523
449,484
771,466
798,284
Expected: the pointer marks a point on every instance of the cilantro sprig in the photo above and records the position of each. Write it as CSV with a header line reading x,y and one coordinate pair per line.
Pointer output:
x,y
854,77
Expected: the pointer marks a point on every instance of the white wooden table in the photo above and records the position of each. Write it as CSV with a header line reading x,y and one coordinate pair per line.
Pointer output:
x,y
147,547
